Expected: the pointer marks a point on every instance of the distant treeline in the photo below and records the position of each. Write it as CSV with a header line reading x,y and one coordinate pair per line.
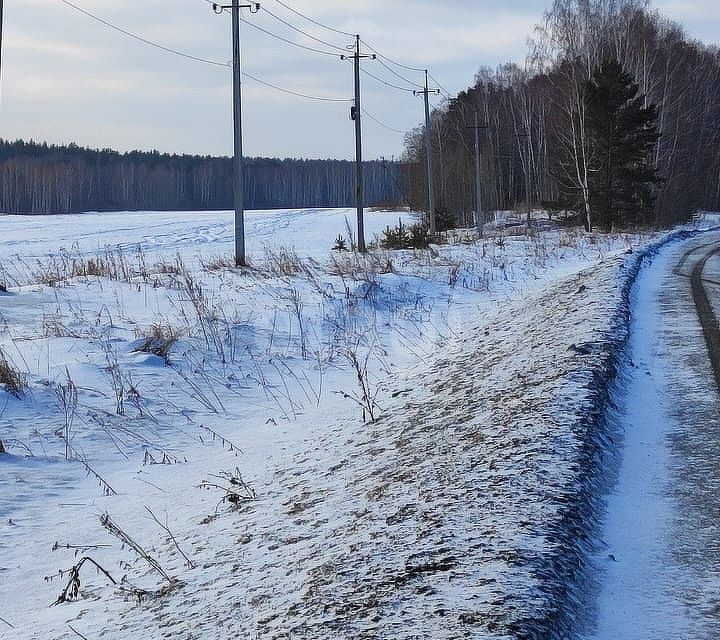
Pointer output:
x,y
42,178
539,123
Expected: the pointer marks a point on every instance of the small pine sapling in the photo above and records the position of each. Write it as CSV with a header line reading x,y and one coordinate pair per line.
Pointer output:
x,y
340,244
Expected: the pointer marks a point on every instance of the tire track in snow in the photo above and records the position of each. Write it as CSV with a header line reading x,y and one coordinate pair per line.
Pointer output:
x,y
706,313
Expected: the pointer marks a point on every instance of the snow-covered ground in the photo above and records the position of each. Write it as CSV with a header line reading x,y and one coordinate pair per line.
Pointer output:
x,y
391,446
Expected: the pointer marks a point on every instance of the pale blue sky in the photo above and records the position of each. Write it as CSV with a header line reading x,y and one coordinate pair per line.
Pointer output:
x,y
68,78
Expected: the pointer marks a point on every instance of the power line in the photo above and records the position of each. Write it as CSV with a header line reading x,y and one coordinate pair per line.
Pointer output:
x,y
348,34
286,40
399,75
293,92
315,22
404,66
387,84
382,124
400,64
445,91
150,43
305,33
198,59
338,48
391,61
271,85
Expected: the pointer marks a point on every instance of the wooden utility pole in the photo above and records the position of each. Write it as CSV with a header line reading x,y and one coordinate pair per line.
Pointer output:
x,y
238,168
355,116
428,153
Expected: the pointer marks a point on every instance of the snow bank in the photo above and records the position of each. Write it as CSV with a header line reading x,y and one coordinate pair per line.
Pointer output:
x,y
465,510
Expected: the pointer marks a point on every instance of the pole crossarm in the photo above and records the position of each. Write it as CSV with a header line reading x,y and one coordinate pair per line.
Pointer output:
x,y
355,111
219,8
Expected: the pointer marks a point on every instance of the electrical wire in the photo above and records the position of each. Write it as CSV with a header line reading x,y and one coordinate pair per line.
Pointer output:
x,y
444,90
399,64
295,93
315,22
385,82
390,60
344,33
254,78
398,75
150,43
305,33
198,59
382,57
286,40
381,123
342,49
291,92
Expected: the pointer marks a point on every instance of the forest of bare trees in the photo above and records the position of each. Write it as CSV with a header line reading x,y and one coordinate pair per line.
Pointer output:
x,y
38,178
536,118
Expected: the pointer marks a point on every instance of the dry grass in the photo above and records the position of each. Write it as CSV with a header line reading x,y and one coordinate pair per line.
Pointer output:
x,y
282,261
160,341
217,263
362,266
10,377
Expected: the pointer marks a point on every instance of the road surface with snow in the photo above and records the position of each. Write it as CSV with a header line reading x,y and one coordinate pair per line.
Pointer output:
x,y
660,561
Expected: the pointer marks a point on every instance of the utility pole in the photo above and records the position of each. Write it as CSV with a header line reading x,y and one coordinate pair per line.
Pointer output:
x,y
528,167
355,116
479,215
238,169
428,153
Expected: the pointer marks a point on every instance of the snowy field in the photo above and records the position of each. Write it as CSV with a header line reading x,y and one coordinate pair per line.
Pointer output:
x,y
322,445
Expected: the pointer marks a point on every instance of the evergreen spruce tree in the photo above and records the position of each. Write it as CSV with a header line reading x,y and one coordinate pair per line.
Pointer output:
x,y
622,134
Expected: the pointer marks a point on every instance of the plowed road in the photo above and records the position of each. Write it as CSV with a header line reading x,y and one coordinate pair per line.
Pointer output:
x,y
660,571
